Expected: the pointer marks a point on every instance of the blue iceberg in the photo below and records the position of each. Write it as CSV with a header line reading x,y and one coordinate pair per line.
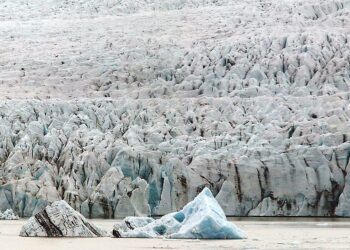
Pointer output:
x,y
203,218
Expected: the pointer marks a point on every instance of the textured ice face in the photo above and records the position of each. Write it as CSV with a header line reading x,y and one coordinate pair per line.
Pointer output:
x,y
60,220
119,158
249,99
201,218
243,48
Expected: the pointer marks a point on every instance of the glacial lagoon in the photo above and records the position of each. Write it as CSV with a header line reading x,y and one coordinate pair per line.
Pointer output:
x,y
263,233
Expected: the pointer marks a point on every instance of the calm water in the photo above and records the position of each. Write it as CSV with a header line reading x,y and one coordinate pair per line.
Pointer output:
x,y
263,233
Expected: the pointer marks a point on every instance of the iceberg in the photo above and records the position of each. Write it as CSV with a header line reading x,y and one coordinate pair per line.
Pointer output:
x,y
130,223
203,218
60,220
8,215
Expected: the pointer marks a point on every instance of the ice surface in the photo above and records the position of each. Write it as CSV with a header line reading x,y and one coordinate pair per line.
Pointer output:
x,y
133,107
120,158
201,218
8,215
60,220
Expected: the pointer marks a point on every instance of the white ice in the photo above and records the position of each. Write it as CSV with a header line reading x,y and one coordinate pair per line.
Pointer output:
x,y
201,218
132,107
8,215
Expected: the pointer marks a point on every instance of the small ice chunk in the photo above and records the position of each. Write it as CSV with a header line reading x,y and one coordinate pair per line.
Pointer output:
x,y
130,223
8,215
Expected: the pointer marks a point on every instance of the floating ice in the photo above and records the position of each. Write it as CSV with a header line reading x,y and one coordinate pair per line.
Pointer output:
x,y
202,218
60,220
8,215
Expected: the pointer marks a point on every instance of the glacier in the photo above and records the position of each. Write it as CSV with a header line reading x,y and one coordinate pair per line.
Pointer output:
x,y
132,108
201,218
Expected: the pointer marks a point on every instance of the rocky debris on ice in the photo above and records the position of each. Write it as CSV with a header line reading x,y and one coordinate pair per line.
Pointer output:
x,y
130,223
60,220
201,218
8,215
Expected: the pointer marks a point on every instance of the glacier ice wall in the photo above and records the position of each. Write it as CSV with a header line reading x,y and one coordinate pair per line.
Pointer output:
x,y
133,107
266,155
